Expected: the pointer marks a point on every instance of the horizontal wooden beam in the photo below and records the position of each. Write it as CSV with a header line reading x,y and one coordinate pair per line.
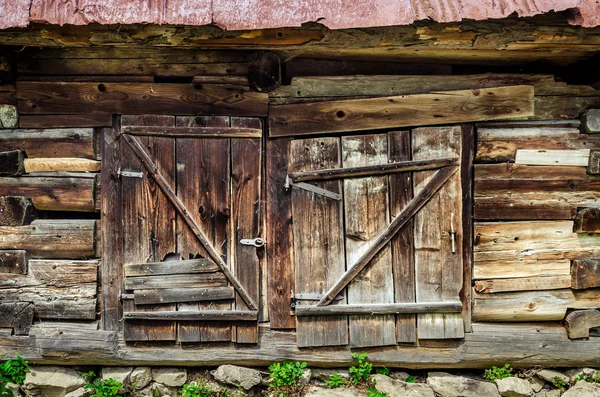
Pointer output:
x,y
446,107
176,295
189,266
381,169
61,165
193,132
198,280
372,309
54,142
196,315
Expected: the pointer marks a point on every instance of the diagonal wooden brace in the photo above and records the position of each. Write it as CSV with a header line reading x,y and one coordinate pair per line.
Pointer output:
x,y
184,213
384,236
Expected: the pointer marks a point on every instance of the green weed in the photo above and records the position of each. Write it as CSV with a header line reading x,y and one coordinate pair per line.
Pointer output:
x,y
495,373
102,387
12,371
360,373
335,381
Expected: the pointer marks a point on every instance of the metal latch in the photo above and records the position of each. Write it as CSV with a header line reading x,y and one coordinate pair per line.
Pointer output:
x,y
452,233
130,173
255,242
312,189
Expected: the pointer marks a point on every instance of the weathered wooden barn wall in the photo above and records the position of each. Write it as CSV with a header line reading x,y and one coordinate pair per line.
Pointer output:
x,y
528,251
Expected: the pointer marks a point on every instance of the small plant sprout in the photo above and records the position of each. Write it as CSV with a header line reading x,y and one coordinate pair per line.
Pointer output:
x,y
382,371
559,383
497,373
102,387
285,374
195,389
360,373
335,381
372,392
12,371
410,379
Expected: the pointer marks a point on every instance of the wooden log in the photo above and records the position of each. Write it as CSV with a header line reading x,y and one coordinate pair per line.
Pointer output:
x,y
66,120
553,157
51,238
522,284
16,211
593,167
522,306
190,266
579,322
241,81
387,233
587,221
60,142
527,172
13,261
11,162
561,124
16,315
197,315
53,193
509,209
194,132
590,121
58,340
380,309
199,280
518,269
177,295
393,112
370,170
585,273
61,165
138,98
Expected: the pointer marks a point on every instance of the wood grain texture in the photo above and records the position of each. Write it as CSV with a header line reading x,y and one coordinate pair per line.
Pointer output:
x,y
16,211
66,120
439,270
17,316
246,218
51,238
199,280
467,181
61,165
579,322
177,295
587,221
524,268
58,142
522,306
585,273
366,212
379,309
280,254
13,261
318,240
138,98
195,132
190,266
148,221
403,262
203,170
522,284
395,112
553,157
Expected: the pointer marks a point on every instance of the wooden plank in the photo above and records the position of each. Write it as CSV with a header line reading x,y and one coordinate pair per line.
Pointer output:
x,y
366,213
579,322
13,261
11,163
199,280
502,208
149,232
111,231
16,211
203,181
246,217
531,123
279,237
318,240
51,238
403,263
379,308
522,284
553,157
59,142
66,120
16,315
370,170
61,165
522,306
585,273
177,295
57,340
138,98
394,112
587,221
467,182
195,132
190,266
52,193
387,233
194,315
526,268
438,259
527,172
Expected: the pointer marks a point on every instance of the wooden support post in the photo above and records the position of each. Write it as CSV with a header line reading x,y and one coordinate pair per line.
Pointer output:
x,y
11,163
578,323
15,211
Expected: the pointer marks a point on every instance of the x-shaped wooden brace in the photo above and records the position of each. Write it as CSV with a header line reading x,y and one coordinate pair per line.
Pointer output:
x,y
184,213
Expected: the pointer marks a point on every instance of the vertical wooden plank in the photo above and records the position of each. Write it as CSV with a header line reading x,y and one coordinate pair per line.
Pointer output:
x,y
318,240
403,264
246,220
366,213
280,255
467,178
148,220
111,274
438,270
203,187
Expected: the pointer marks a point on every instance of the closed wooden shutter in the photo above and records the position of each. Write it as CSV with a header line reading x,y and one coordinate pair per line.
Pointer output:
x,y
377,229
190,192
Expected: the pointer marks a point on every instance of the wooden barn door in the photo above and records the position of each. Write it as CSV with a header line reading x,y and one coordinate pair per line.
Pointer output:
x,y
377,228
190,205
